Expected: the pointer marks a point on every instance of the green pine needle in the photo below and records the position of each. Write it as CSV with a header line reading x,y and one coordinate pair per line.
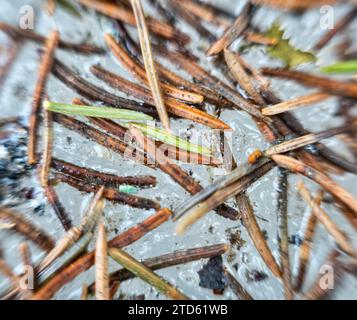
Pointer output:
x,y
349,66
163,136
97,112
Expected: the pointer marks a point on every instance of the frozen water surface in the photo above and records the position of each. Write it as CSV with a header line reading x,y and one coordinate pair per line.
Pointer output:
x,y
15,99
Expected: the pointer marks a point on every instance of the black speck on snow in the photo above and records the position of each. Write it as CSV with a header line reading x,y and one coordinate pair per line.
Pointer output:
x,y
212,275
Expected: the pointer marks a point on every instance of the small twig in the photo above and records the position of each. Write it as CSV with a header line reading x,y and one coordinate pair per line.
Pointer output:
x,y
44,70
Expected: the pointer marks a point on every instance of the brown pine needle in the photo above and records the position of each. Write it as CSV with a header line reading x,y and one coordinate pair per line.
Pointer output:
x,y
306,245
84,262
74,234
239,25
85,292
295,103
213,83
101,178
68,240
178,81
57,206
173,106
51,7
170,259
6,270
101,265
221,183
94,93
110,194
308,139
27,229
174,171
293,4
25,254
119,12
119,131
338,235
20,34
139,72
260,39
219,197
48,146
333,87
236,287
205,13
233,61
143,272
93,212
283,232
255,233
44,70
324,181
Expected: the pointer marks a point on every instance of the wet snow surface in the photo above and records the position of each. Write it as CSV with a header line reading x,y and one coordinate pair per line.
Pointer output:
x,y
243,260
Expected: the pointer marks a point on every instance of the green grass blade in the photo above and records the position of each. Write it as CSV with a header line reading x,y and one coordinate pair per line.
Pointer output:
x,y
145,274
163,136
341,67
98,112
